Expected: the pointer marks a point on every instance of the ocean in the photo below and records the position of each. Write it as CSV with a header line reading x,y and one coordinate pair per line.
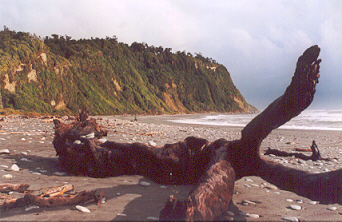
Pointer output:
x,y
307,120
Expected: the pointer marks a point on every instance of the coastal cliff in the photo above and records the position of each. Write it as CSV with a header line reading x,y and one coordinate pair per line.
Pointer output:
x,y
61,75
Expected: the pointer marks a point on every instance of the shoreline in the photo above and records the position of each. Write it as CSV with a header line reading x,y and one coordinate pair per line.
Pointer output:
x,y
31,139
167,120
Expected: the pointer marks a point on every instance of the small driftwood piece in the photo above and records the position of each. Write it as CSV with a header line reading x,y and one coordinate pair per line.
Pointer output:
x,y
31,199
212,167
7,187
314,149
57,191
55,201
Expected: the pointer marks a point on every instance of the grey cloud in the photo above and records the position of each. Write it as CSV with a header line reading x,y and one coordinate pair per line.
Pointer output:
x,y
258,41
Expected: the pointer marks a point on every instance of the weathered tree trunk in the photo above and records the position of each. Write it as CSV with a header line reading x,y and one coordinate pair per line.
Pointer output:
x,y
211,167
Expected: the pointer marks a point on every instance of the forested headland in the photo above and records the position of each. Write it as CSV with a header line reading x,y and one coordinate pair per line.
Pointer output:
x,y
60,75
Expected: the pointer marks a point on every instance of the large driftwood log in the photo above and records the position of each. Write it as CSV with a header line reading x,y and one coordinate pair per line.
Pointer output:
x,y
211,166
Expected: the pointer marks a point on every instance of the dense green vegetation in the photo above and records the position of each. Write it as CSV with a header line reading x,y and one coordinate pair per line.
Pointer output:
x,y
61,75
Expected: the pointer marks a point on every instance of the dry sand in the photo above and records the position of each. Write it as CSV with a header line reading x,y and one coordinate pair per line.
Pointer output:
x,y
29,142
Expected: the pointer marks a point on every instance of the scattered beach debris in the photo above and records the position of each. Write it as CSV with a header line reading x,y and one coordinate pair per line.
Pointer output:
x,y
314,149
150,133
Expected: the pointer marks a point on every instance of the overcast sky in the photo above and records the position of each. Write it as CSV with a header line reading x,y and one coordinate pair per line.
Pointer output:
x,y
258,41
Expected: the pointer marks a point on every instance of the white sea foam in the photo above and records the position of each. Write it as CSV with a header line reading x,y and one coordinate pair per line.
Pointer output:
x,y
307,120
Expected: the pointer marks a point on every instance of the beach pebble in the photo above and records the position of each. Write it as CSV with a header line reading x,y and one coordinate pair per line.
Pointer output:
x,y
7,176
332,208
103,200
247,185
36,173
25,159
60,173
24,153
289,200
144,183
243,213
272,187
121,214
248,180
4,166
295,207
89,136
82,209
248,202
299,201
301,161
31,207
77,142
230,213
151,143
102,140
43,171
253,215
290,143
312,202
4,151
163,187
293,219
152,218
14,167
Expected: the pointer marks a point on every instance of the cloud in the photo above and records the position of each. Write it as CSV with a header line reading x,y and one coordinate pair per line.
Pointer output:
x,y
258,41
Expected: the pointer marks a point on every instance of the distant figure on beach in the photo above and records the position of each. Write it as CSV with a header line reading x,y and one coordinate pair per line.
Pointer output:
x,y
135,118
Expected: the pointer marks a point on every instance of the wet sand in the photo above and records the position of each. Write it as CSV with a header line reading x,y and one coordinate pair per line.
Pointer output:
x,y
29,142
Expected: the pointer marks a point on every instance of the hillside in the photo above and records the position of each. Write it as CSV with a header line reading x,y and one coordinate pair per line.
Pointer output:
x,y
60,75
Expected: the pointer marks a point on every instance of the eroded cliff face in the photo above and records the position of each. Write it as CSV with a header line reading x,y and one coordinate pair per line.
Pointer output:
x,y
107,77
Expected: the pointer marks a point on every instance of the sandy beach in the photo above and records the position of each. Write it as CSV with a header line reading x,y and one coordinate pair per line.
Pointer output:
x,y
29,143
